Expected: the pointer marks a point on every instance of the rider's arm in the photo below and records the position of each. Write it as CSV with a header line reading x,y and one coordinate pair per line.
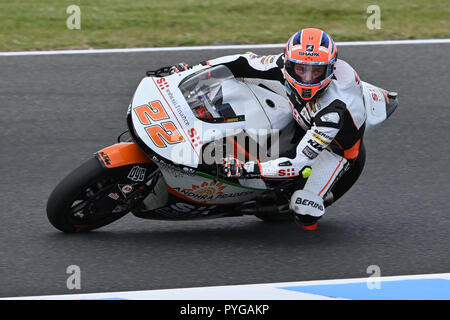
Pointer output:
x,y
250,65
324,129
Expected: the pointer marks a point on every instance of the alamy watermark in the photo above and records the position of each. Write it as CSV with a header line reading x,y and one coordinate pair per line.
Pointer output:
x,y
373,281
73,22
74,280
249,144
374,20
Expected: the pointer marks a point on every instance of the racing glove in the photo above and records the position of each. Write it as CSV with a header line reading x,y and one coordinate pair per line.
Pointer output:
x,y
179,67
235,168
232,167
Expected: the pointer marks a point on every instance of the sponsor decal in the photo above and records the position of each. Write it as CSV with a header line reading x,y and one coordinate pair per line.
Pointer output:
x,y
120,208
162,83
315,145
309,203
286,172
161,134
233,195
268,59
309,47
285,164
105,158
126,189
311,154
318,138
374,96
78,214
177,107
174,170
185,208
137,174
339,176
306,93
209,191
195,138
323,134
311,54
113,196
189,171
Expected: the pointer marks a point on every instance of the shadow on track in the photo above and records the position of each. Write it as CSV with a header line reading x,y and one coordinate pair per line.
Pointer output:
x,y
285,234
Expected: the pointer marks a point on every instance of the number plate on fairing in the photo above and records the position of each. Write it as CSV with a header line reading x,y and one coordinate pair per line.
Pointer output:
x,y
161,118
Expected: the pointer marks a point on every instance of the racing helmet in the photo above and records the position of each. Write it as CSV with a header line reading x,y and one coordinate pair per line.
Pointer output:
x,y
310,56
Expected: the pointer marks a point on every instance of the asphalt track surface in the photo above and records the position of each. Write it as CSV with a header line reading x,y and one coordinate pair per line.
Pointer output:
x,y
57,110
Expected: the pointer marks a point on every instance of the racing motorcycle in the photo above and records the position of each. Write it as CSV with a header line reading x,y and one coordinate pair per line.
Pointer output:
x,y
161,172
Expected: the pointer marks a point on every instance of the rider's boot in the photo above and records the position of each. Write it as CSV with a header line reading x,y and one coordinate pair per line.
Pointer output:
x,y
306,222
308,208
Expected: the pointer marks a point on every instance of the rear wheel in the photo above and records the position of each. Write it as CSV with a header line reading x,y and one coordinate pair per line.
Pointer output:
x,y
92,196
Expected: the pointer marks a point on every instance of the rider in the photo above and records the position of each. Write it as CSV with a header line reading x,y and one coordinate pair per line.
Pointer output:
x,y
326,99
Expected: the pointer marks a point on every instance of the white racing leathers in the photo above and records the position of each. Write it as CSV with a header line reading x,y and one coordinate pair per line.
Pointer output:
x,y
334,126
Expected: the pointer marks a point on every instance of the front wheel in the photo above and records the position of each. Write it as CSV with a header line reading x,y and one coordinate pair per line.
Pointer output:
x,y
92,196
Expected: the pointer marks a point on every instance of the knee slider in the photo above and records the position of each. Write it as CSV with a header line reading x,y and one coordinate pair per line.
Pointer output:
x,y
305,203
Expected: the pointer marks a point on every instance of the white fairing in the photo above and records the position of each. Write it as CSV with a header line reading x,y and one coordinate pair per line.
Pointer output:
x,y
263,110
275,106
247,100
375,103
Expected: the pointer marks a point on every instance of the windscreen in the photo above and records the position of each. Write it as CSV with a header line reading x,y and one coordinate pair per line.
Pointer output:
x,y
203,92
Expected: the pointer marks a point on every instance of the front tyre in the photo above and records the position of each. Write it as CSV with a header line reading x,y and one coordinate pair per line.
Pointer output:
x,y
89,198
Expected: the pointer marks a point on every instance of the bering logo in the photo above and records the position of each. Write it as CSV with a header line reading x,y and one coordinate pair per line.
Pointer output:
x,y
309,203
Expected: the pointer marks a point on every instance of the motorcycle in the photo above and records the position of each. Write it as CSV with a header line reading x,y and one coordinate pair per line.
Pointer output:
x,y
181,125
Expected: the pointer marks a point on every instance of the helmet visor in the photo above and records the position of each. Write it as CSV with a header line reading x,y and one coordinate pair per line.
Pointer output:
x,y
308,74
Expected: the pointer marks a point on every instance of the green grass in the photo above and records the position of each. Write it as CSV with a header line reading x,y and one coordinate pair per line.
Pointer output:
x,y
41,24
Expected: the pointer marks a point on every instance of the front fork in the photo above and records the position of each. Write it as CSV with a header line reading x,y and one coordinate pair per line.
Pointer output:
x,y
133,167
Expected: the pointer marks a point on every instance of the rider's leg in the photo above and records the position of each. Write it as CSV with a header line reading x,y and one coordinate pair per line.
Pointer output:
x,y
331,176
348,179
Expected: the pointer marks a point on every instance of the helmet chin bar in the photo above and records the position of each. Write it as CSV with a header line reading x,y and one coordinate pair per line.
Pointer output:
x,y
306,93
302,99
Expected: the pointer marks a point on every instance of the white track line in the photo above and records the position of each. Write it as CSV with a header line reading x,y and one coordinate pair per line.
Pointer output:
x,y
266,291
224,47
